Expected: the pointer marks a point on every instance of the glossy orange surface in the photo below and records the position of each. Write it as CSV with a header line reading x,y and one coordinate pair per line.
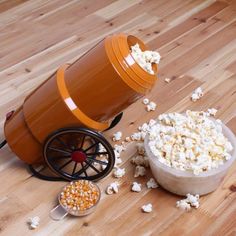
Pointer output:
x,y
90,93
21,140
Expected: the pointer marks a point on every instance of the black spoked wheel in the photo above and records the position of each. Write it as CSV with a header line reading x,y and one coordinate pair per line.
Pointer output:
x,y
79,153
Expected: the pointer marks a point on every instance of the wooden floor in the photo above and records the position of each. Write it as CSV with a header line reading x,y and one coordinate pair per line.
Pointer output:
x,y
197,42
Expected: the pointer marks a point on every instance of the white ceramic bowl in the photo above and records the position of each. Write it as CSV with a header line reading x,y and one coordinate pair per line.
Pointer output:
x,y
183,182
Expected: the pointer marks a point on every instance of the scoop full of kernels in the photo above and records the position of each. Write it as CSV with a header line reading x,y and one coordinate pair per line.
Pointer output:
x,y
79,196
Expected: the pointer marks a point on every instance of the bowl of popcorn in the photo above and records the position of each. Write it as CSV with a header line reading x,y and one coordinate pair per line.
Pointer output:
x,y
190,152
78,198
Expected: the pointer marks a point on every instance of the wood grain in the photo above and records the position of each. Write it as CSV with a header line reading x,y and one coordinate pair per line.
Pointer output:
x,y
197,42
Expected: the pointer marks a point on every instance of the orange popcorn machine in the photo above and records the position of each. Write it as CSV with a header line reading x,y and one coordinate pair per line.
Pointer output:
x,y
60,122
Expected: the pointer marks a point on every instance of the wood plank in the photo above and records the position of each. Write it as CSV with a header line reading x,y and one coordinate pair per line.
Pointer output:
x,y
195,20
5,4
200,52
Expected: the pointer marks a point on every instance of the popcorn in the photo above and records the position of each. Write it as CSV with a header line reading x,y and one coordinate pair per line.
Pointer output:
x,y
136,136
151,106
151,123
117,136
193,200
189,142
145,101
112,188
118,161
190,201
117,154
104,166
119,148
139,171
144,127
145,58
212,111
101,148
197,94
147,208
167,80
183,205
127,139
143,135
119,172
140,161
33,222
136,187
140,149
152,183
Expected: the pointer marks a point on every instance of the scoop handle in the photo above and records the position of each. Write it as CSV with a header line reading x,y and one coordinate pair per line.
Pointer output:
x,y
58,213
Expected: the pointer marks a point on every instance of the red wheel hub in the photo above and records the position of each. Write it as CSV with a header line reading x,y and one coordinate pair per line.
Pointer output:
x,y
78,156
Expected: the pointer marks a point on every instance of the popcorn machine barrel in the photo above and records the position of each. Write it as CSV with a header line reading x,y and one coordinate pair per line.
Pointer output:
x,y
88,93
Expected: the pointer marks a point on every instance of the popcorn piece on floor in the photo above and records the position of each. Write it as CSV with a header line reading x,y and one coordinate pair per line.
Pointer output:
x,y
101,148
144,127
212,111
139,171
145,101
104,166
117,136
136,187
151,106
147,208
119,172
183,205
140,149
151,122
140,161
197,94
136,136
118,161
128,139
193,200
117,154
34,222
152,183
112,188
187,203
119,148
167,80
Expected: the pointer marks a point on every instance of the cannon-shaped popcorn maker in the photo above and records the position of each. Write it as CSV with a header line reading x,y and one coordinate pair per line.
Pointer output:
x,y
60,122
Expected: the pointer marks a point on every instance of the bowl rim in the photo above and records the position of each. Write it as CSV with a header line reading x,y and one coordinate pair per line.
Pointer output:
x,y
180,173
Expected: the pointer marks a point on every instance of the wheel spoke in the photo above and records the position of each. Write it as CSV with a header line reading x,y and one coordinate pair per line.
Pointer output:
x,y
59,157
96,143
64,165
98,161
59,150
82,141
75,165
84,170
96,153
63,143
81,170
93,167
